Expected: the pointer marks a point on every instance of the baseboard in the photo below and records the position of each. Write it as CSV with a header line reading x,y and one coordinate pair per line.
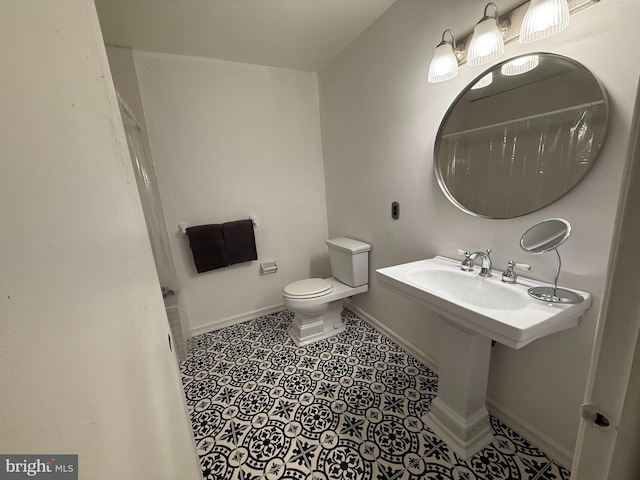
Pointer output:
x,y
557,453
229,321
428,361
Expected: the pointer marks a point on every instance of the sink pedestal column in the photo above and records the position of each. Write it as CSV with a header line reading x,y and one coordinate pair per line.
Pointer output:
x,y
459,414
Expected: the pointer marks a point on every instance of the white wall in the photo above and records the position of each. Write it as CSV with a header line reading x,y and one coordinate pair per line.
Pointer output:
x,y
231,140
379,121
84,359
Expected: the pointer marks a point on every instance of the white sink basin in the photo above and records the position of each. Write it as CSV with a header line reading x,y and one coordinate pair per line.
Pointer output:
x,y
500,311
467,287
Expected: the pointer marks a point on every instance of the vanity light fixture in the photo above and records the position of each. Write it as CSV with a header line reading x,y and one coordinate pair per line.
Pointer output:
x,y
520,65
531,21
543,19
444,64
487,43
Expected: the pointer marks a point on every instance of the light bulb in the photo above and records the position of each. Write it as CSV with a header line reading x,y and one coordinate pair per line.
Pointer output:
x,y
487,43
543,19
444,64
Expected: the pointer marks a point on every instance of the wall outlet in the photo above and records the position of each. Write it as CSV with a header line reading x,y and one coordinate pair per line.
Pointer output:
x,y
395,210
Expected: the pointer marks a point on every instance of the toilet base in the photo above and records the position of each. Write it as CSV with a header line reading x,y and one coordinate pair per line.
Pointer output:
x,y
308,328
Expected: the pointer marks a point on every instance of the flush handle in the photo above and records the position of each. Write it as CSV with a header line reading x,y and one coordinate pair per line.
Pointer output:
x,y
592,413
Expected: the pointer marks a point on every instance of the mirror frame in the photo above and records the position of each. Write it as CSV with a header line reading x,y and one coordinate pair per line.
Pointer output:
x,y
467,88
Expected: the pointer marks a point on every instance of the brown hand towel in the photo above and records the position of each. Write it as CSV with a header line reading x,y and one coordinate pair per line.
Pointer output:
x,y
208,247
240,241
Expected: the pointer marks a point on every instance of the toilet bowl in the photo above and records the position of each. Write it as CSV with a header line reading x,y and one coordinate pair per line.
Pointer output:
x,y
317,302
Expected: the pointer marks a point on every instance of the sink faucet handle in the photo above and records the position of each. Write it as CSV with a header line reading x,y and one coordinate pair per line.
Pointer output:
x,y
509,275
467,263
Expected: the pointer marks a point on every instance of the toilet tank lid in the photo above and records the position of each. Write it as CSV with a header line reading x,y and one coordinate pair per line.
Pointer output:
x,y
348,245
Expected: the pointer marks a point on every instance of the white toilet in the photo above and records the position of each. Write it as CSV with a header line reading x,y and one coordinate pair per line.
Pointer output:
x,y
317,302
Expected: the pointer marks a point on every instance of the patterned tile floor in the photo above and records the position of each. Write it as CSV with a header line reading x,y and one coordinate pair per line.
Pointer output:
x,y
346,408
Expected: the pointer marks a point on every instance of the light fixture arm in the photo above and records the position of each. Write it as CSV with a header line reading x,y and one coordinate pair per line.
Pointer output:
x,y
456,51
453,38
503,25
486,15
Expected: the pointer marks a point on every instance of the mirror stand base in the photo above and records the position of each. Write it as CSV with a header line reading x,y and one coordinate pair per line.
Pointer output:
x,y
555,295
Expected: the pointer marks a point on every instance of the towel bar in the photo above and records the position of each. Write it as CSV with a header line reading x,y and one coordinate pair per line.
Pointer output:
x,y
182,227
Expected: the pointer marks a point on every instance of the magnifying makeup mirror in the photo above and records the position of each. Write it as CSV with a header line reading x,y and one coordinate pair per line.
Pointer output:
x,y
543,237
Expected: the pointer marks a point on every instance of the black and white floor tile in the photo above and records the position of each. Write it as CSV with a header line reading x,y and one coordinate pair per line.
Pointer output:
x,y
346,408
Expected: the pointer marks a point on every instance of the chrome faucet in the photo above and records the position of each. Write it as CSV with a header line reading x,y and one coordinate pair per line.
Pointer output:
x,y
509,275
485,269
467,263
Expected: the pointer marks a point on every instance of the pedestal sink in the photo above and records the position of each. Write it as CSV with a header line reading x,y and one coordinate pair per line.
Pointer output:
x,y
475,311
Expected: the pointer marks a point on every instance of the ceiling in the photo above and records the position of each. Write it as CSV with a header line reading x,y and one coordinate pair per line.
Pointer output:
x,y
296,34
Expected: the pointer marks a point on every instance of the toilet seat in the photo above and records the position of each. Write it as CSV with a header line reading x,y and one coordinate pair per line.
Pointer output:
x,y
308,288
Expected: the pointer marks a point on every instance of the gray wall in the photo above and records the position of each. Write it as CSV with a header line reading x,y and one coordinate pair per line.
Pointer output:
x,y
379,121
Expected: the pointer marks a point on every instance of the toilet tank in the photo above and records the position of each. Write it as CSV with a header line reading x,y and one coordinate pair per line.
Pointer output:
x,y
349,260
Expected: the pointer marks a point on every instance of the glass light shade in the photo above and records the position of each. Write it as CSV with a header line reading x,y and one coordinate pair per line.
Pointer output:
x,y
520,65
486,44
543,19
483,82
444,64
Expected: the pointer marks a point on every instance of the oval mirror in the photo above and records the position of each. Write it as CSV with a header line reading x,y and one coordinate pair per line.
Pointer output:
x,y
520,136
545,236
